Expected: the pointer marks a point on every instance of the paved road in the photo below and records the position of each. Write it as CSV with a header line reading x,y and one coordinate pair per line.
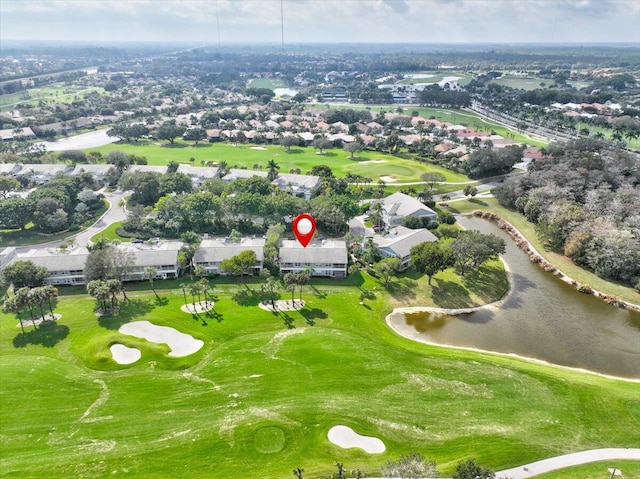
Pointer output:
x,y
81,141
113,214
569,460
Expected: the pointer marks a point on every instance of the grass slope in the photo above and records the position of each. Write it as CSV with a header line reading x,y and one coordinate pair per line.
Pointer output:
x,y
261,395
400,167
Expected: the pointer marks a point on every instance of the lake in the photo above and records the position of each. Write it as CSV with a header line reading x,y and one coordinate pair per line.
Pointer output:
x,y
542,318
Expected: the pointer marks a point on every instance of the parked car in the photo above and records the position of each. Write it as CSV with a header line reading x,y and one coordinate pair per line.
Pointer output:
x,y
137,241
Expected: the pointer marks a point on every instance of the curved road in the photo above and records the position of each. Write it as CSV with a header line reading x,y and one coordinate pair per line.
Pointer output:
x,y
569,460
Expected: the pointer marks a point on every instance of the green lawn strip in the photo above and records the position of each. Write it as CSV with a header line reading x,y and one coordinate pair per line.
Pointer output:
x,y
206,414
522,83
562,262
400,167
595,470
270,83
110,233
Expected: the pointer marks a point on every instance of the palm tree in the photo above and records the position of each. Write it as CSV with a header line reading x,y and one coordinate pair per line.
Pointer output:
x,y
184,293
12,306
298,471
223,168
273,170
23,298
150,274
50,294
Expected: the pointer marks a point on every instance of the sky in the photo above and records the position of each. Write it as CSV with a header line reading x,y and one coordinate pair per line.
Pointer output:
x,y
323,21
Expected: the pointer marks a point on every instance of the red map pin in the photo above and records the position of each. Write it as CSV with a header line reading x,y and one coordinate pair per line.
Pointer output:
x,y
304,226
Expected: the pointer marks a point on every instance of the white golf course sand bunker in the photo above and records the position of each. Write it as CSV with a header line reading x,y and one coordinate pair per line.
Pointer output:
x,y
124,354
372,162
346,438
181,344
282,305
387,179
259,148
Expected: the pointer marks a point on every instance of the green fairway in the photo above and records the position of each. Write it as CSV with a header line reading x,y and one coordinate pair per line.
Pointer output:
x,y
259,398
371,164
522,83
54,93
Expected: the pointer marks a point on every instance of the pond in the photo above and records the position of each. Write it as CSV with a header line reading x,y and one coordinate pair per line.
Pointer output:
x,y
542,318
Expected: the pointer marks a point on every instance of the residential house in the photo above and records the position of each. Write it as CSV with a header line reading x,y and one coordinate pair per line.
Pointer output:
x,y
162,256
10,169
6,256
99,172
198,174
148,168
398,206
13,133
326,258
212,252
41,173
298,185
66,266
398,241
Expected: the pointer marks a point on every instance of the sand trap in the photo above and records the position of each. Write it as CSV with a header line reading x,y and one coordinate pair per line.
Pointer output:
x,y
199,307
38,321
372,162
282,305
387,179
181,344
123,354
346,438
261,148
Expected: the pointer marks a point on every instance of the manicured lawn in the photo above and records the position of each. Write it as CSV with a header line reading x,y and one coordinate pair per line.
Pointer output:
x,y
596,470
562,262
110,234
522,83
270,83
56,92
371,164
259,398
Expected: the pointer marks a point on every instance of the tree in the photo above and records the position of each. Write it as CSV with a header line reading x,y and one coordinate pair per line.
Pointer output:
x,y
99,290
297,472
25,273
431,178
8,184
290,282
273,168
75,156
173,166
387,268
12,306
150,274
289,141
411,466
107,261
470,190
240,264
15,213
322,143
352,148
169,131
471,470
472,248
195,134
431,257
24,298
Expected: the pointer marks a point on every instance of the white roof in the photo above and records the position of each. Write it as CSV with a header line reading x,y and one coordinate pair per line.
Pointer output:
x,y
163,253
399,241
404,205
217,249
324,251
56,259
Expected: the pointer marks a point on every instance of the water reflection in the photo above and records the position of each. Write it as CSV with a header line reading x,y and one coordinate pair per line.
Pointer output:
x,y
543,318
